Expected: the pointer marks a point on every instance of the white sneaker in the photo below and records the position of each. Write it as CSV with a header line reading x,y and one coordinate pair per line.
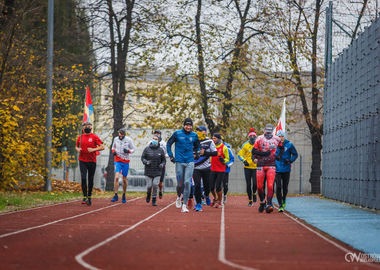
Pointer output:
x,y
178,202
184,209
224,199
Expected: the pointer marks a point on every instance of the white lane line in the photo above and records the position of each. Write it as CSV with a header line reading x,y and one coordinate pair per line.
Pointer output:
x,y
328,240
79,257
34,208
222,247
59,220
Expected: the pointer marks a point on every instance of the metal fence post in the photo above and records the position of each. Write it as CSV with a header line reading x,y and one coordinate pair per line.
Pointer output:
x,y
300,174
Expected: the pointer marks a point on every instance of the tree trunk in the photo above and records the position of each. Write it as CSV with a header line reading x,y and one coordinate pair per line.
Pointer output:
x,y
316,160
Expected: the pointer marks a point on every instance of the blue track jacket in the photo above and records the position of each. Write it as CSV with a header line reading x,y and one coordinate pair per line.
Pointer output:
x,y
290,153
185,144
232,158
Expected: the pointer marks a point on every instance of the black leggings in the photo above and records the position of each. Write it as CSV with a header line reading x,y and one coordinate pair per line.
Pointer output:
x,y
216,181
282,182
85,167
198,175
225,183
251,180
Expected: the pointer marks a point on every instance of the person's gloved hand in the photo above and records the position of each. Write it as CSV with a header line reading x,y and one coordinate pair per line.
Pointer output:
x,y
126,150
221,159
114,153
246,163
148,162
197,156
172,159
278,158
161,165
286,161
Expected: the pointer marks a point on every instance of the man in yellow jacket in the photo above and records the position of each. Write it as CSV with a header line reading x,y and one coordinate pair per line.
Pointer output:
x,y
245,156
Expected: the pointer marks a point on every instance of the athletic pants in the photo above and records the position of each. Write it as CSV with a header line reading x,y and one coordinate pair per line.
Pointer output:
x,y
225,183
184,173
282,182
198,175
270,173
152,182
216,180
250,179
87,167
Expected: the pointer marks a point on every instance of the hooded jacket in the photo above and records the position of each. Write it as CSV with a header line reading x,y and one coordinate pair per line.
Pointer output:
x,y
152,157
289,153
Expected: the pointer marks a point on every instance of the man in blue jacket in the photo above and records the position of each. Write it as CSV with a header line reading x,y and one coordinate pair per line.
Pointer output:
x,y
186,144
286,154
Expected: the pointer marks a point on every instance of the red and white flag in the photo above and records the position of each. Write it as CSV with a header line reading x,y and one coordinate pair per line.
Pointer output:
x,y
281,125
88,112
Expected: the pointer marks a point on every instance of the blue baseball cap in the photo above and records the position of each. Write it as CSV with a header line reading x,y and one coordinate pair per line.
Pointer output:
x,y
202,128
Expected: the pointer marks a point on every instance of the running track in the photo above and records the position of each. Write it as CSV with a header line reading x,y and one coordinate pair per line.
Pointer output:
x,y
138,236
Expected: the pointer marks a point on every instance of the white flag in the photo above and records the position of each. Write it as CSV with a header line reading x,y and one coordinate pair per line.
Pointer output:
x,y
281,125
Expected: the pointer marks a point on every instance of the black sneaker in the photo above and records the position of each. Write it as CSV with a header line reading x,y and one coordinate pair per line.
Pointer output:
x,y
250,203
154,201
254,198
160,194
88,201
84,201
261,207
148,197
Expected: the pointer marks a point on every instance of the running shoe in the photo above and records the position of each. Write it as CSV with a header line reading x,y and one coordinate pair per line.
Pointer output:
x,y
184,209
224,199
198,207
178,202
84,201
281,209
123,199
217,205
189,203
208,201
213,203
115,198
147,197
261,207
250,203
203,202
254,197
160,195
154,201
88,201
269,208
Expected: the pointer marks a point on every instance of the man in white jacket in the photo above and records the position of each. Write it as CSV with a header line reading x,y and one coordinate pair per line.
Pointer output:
x,y
121,148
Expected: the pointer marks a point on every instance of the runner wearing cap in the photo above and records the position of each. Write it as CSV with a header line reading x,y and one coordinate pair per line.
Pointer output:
x,y
285,156
121,148
87,145
263,153
245,156
202,167
186,142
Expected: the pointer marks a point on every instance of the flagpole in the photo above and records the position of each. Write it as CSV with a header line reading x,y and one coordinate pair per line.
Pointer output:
x,y
80,132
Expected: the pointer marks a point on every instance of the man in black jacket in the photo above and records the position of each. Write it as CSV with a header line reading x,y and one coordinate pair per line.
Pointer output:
x,y
153,157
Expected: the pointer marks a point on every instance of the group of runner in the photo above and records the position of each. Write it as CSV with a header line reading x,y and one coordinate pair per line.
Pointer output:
x,y
202,165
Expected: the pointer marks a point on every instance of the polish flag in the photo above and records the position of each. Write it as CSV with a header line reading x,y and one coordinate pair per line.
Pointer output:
x,y
281,125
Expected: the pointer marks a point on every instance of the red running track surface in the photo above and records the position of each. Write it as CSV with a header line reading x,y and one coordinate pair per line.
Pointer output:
x,y
54,237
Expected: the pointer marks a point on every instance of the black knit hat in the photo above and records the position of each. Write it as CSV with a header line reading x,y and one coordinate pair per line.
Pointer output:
x,y
217,135
188,121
